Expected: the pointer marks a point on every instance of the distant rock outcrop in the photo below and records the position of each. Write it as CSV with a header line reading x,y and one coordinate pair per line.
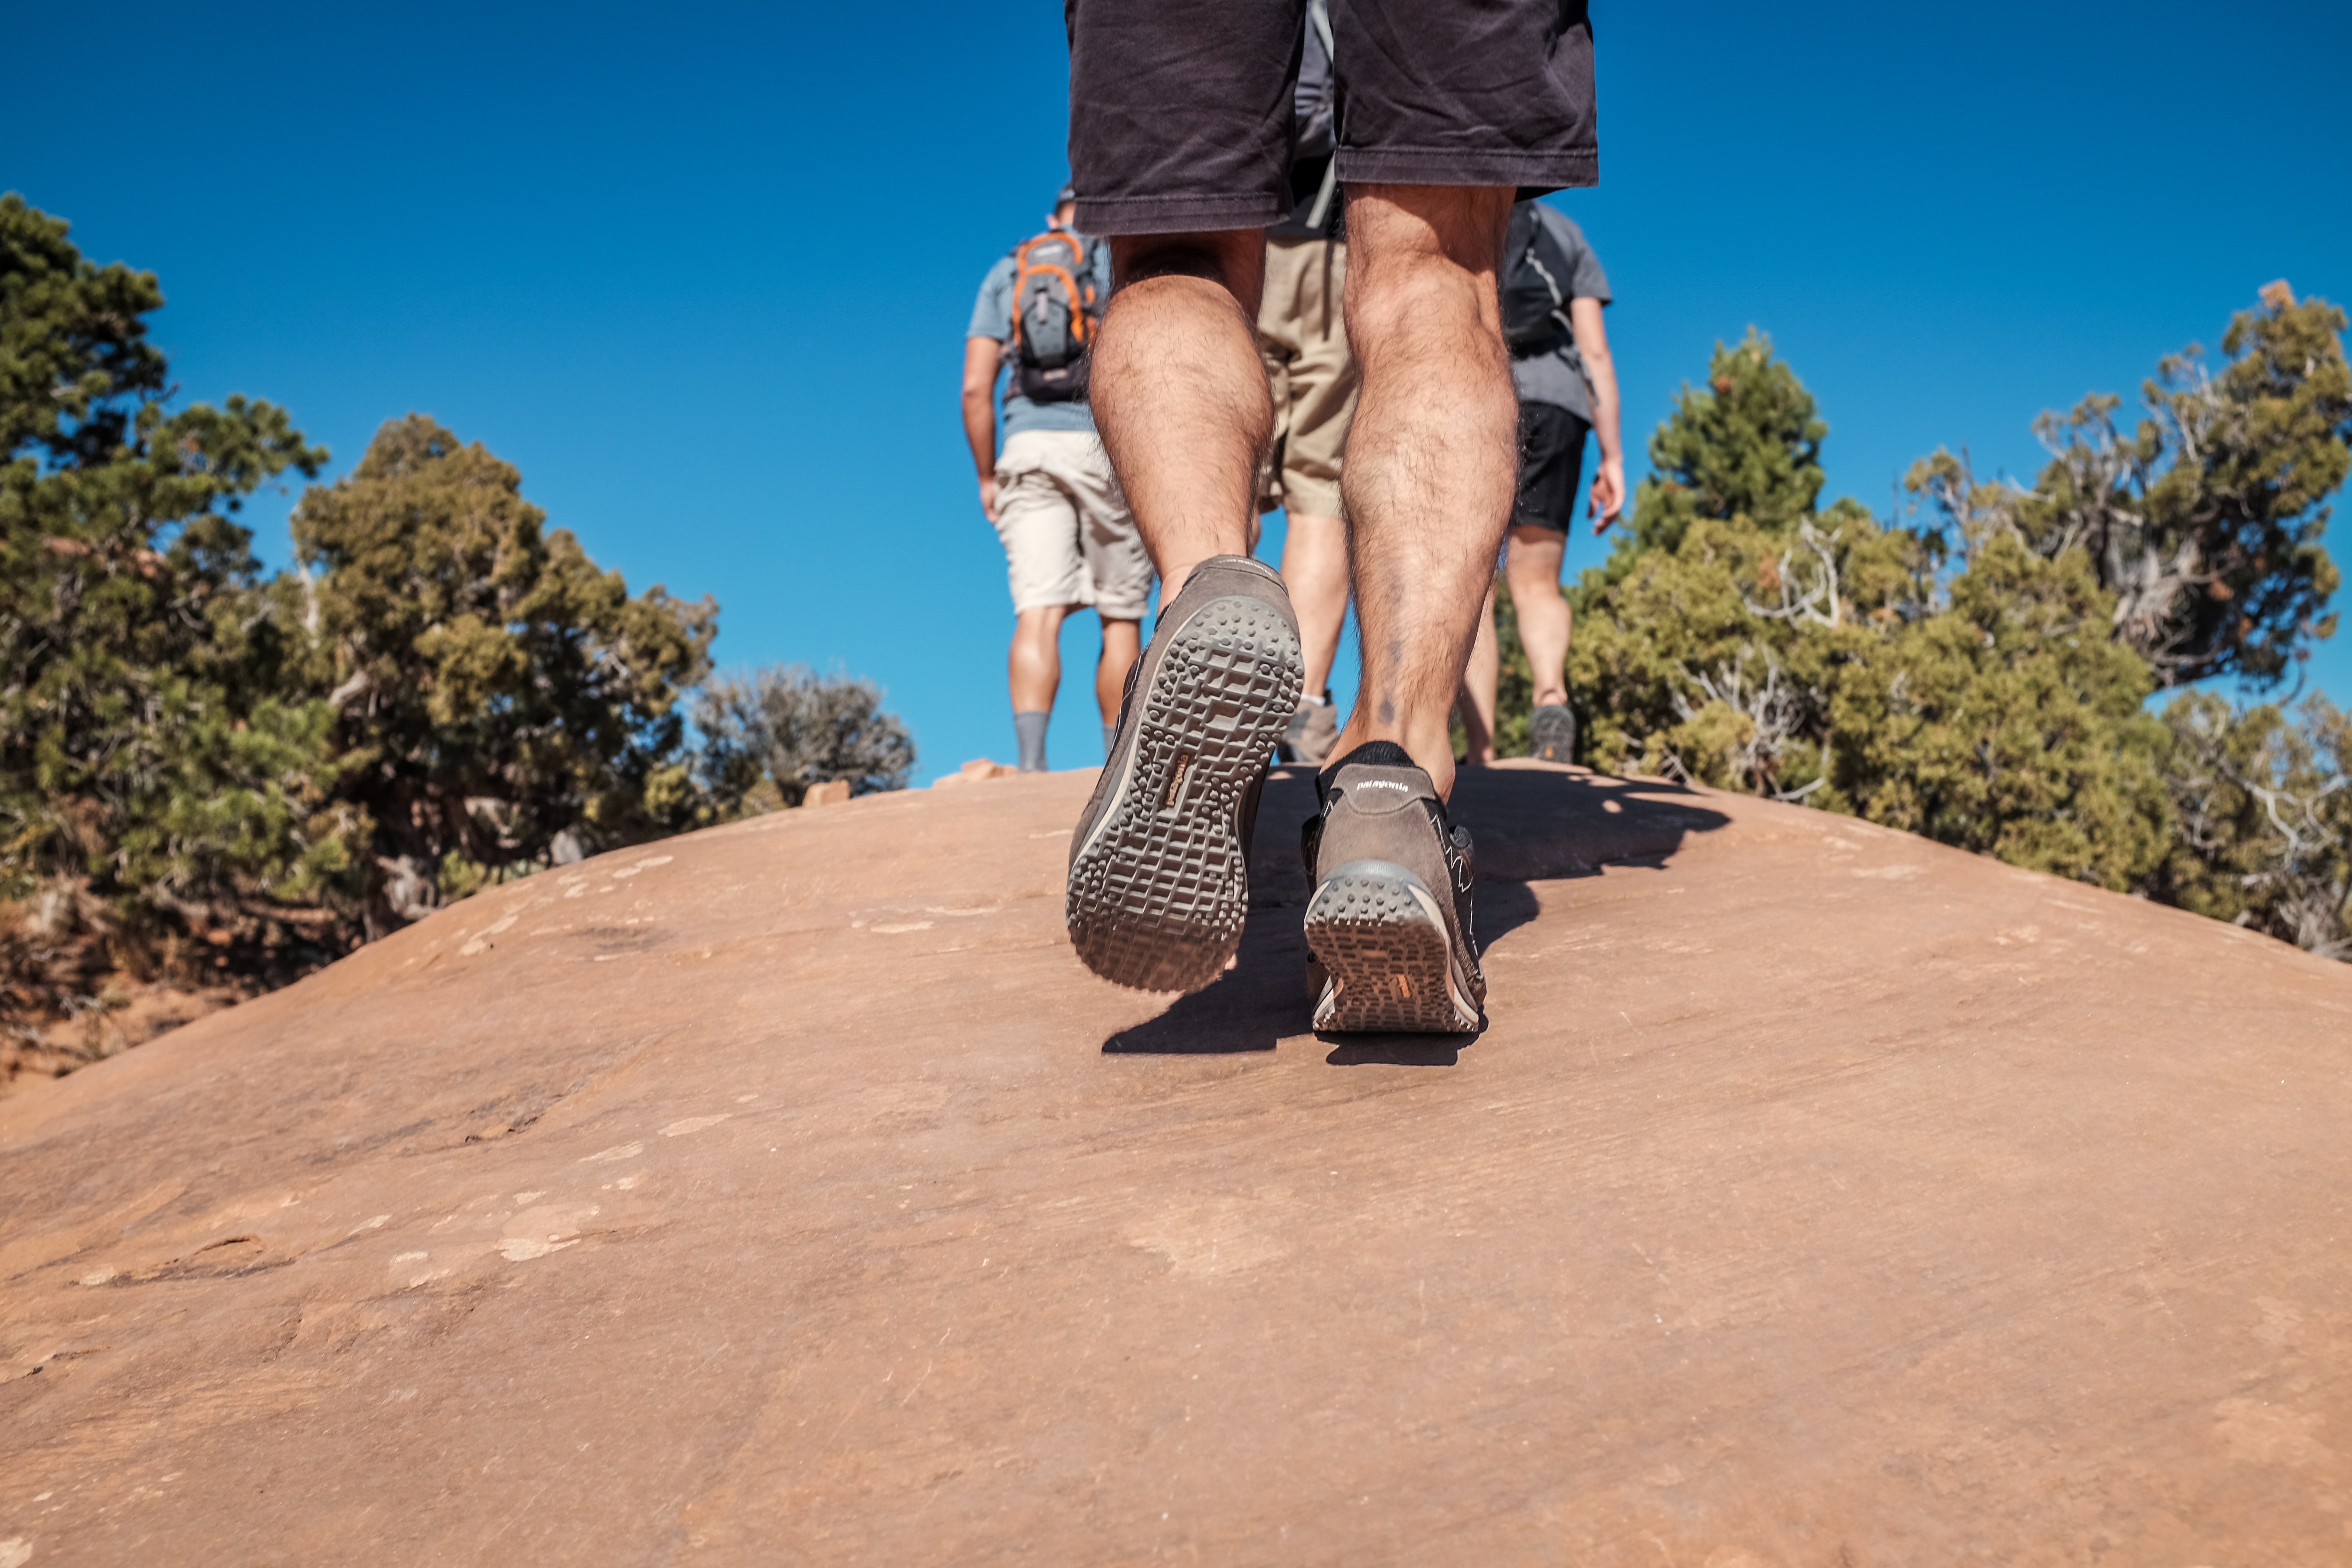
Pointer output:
x,y
788,1193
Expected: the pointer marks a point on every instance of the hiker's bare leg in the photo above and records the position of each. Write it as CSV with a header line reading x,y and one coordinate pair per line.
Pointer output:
x,y
1180,394
1036,666
1122,642
1475,701
1533,572
1432,457
1315,569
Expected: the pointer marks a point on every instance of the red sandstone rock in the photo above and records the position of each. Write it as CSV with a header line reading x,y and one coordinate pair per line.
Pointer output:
x,y
787,1193
976,770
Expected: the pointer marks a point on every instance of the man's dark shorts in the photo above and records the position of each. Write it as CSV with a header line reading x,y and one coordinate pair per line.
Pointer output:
x,y
1551,467
1181,109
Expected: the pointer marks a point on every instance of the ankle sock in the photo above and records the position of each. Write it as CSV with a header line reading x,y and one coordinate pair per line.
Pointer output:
x,y
1110,739
1030,728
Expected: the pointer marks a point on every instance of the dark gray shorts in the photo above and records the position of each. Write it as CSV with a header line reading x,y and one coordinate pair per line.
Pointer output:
x,y
1181,109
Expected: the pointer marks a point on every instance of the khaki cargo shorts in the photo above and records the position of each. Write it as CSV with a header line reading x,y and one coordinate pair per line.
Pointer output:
x,y
1069,537
1313,376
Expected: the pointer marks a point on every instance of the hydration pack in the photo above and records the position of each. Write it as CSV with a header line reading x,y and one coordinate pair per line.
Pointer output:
x,y
1535,284
1055,314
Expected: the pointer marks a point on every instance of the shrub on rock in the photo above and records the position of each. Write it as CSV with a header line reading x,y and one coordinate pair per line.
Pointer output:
x,y
772,734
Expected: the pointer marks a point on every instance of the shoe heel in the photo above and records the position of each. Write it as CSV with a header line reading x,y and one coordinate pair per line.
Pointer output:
x,y
1379,934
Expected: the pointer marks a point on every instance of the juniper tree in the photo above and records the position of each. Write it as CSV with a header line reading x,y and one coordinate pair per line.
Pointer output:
x,y
2008,722
1954,685
150,751
2205,521
499,698
1978,674
1746,444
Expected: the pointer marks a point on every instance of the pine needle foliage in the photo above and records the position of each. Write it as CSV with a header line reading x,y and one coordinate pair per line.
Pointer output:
x,y
498,699
2263,799
2205,521
1978,669
153,754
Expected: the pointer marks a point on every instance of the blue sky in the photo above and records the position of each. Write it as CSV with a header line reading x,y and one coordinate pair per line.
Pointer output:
x,y
703,274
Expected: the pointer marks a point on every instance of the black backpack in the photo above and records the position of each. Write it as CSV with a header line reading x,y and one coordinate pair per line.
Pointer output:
x,y
1055,314
1535,284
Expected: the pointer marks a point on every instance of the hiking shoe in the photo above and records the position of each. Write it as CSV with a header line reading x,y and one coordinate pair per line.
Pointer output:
x,y
1311,733
1389,923
1551,734
1159,862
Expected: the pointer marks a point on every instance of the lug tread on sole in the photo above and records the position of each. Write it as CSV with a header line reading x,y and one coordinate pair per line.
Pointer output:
x,y
1157,901
1389,962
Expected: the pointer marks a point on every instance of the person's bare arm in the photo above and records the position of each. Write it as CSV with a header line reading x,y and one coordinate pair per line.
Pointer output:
x,y
981,358
1593,344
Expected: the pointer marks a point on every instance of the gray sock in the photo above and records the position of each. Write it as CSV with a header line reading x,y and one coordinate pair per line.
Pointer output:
x,y
1031,728
1110,739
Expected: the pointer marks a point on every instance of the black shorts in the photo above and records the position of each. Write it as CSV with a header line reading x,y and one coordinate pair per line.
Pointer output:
x,y
1181,109
1551,467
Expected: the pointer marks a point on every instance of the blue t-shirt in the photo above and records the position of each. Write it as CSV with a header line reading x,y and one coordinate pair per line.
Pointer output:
x,y
992,317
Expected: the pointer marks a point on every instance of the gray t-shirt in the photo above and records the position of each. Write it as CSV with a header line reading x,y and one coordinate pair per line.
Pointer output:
x,y
992,317
1557,375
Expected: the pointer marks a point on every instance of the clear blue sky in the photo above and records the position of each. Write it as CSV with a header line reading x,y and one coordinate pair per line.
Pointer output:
x,y
703,274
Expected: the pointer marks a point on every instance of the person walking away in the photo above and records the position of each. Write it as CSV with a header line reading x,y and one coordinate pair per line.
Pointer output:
x,y
1553,294
1069,539
1180,140
1313,380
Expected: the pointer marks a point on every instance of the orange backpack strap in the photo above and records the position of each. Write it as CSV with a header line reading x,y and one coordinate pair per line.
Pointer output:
x,y
1082,293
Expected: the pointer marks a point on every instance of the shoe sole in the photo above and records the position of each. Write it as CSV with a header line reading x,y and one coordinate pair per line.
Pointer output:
x,y
1158,892
1380,935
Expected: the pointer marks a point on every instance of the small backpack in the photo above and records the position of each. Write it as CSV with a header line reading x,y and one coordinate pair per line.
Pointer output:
x,y
1536,271
1054,313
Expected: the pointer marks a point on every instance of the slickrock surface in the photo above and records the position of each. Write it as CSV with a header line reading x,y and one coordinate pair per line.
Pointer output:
x,y
788,1193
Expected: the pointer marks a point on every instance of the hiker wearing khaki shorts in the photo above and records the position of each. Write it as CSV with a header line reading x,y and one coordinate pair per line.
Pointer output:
x,y
1069,541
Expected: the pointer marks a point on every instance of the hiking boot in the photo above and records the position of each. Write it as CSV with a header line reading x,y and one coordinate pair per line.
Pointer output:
x,y
1159,862
1551,734
1311,733
1389,923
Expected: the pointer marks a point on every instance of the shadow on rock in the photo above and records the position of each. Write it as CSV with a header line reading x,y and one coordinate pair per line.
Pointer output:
x,y
1396,1050
1532,823
1248,1008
